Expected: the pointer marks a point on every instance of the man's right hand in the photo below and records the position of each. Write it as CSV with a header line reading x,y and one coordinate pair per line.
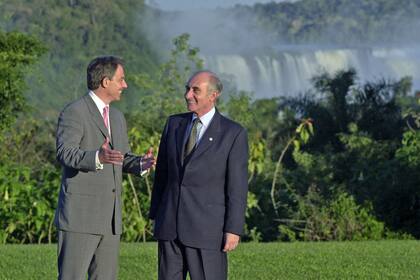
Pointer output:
x,y
107,155
148,160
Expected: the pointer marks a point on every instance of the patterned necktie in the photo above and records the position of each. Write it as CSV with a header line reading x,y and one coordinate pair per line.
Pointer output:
x,y
193,137
105,117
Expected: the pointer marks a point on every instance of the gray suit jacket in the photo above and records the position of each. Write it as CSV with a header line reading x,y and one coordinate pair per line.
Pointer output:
x,y
198,200
90,199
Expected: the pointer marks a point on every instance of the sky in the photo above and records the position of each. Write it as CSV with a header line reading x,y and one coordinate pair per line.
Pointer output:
x,y
171,5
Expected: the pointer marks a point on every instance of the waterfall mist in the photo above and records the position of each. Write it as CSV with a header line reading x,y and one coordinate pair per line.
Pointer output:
x,y
233,45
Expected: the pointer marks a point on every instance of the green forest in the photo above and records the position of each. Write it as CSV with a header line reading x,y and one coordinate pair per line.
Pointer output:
x,y
342,22
339,162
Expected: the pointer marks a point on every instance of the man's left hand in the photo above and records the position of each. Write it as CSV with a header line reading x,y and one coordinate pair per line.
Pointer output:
x,y
231,241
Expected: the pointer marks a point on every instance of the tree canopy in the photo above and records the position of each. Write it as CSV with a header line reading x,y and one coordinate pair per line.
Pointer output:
x,y
75,32
343,22
17,52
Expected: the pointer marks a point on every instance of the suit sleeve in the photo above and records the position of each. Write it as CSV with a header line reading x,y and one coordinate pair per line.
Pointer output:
x,y
161,174
237,185
70,131
131,163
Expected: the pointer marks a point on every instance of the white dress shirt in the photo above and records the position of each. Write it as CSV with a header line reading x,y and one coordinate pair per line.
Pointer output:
x,y
205,122
101,105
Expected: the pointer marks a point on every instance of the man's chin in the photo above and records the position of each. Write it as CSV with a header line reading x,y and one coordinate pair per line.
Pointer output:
x,y
190,107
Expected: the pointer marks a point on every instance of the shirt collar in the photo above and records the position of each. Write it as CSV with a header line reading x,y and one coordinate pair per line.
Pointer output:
x,y
99,103
206,118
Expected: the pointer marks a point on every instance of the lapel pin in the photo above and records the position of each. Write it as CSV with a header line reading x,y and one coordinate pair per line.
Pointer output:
x,y
210,139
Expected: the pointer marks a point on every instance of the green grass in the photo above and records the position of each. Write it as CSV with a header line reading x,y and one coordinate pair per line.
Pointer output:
x,y
328,260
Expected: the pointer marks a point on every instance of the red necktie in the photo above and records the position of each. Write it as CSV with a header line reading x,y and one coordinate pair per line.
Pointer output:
x,y
105,116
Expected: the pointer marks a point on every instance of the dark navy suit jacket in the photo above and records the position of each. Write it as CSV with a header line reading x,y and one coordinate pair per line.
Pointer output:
x,y
200,199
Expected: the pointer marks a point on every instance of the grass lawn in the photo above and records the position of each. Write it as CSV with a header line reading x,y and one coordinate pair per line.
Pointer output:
x,y
328,260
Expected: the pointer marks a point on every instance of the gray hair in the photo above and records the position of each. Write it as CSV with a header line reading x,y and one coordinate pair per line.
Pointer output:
x,y
215,84
100,68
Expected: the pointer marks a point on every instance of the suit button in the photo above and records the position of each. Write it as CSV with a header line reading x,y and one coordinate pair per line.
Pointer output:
x,y
113,190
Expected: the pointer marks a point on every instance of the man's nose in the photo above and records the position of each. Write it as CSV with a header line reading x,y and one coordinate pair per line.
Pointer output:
x,y
188,93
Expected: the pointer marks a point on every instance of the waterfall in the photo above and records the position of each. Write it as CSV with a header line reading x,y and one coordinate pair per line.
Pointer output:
x,y
289,72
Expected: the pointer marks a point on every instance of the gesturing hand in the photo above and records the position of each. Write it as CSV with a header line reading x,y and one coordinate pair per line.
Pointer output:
x,y
231,241
147,161
107,155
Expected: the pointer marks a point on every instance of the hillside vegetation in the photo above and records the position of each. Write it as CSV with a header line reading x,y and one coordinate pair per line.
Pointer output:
x,y
338,163
342,22
74,32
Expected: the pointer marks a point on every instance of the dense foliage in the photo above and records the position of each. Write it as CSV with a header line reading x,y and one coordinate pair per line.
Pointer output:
x,y
340,162
75,31
27,181
16,53
336,21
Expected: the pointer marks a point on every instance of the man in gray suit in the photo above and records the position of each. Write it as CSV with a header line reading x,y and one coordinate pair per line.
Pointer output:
x,y
200,188
93,149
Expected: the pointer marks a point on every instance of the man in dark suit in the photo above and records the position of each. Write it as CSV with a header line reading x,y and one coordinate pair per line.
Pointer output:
x,y
92,147
200,188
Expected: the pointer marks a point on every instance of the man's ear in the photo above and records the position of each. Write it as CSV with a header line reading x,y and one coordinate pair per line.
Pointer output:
x,y
105,82
215,95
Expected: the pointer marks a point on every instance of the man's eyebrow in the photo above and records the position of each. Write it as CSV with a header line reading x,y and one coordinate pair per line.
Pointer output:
x,y
193,87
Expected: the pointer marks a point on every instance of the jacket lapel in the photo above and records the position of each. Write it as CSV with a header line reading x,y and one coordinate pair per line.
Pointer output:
x,y
180,136
115,126
96,116
210,136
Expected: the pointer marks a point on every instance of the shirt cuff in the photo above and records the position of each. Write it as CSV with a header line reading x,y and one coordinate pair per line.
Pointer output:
x,y
99,165
142,172
141,164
